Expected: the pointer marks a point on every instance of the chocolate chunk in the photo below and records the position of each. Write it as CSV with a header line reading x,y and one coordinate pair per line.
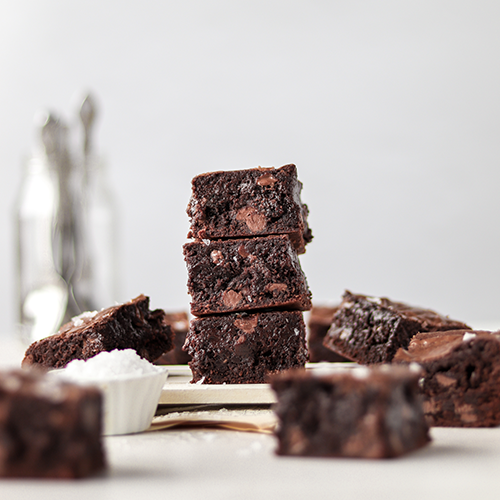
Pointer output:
x,y
276,287
247,324
255,221
267,180
243,251
231,299
217,257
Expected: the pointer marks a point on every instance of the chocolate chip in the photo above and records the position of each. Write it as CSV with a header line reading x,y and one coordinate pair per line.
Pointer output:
x,y
231,298
217,256
267,180
254,220
246,324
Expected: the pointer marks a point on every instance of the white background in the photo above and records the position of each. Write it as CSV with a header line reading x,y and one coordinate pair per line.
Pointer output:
x,y
389,109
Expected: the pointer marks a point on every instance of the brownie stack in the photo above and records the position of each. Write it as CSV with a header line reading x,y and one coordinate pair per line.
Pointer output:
x,y
244,276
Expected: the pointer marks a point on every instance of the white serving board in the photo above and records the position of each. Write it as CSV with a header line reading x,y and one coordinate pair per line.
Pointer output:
x,y
179,394
178,390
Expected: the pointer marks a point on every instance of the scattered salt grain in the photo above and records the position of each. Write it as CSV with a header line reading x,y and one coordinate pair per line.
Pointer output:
x,y
415,367
208,436
468,336
361,372
345,333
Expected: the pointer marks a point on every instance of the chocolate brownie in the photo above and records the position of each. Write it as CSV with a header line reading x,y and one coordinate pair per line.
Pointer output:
x,y
365,413
245,348
126,326
461,376
246,274
179,322
319,322
49,428
245,203
370,329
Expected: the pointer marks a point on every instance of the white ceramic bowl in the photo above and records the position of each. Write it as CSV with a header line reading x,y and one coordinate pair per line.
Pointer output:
x,y
130,402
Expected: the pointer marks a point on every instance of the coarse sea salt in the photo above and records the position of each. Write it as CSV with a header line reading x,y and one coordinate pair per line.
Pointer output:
x,y
78,320
415,367
468,336
117,364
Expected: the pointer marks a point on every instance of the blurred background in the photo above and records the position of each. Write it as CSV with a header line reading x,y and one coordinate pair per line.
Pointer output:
x,y
389,109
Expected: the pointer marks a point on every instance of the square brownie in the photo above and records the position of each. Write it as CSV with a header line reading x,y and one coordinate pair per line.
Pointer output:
x,y
243,348
319,322
49,428
460,376
370,330
364,413
125,326
246,203
179,322
245,274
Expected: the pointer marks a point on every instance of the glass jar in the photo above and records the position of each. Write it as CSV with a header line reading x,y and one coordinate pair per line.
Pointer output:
x,y
41,292
65,231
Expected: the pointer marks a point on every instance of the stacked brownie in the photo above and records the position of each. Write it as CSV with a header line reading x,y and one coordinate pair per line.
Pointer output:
x,y
247,288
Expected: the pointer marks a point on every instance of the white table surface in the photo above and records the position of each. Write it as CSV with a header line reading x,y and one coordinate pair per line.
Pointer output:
x,y
223,464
